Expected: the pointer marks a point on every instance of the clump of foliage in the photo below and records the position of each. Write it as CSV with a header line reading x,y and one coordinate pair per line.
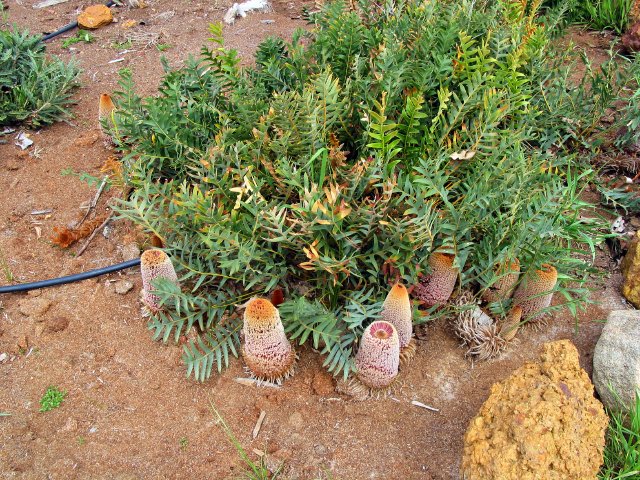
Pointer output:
x,y
80,36
603,14
34,88
51,399
340,160
622,450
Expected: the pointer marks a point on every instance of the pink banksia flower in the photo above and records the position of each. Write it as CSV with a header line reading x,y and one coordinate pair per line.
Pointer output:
x,y
155,264
534,292
507,275
397,311
437,286
509,327
378,357
266,350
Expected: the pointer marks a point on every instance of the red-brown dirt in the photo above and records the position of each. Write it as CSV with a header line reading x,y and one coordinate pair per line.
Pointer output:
x,y
130,412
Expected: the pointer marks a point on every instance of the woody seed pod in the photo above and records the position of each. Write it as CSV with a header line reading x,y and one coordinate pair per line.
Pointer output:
x,y
155,264
535,291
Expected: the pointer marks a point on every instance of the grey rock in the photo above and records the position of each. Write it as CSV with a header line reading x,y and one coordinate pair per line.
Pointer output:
x,y
130,251
616,359
123,287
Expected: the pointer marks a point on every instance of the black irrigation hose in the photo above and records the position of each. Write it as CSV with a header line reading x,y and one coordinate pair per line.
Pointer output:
x,y
24,287
66,28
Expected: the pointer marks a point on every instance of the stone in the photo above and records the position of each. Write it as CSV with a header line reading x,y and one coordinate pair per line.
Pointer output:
x,y
630,267
130,251
95,16
34,306
541,422
296,420
322,384
57,324
3,357
70,426
22,344
122,287
40,328
616,360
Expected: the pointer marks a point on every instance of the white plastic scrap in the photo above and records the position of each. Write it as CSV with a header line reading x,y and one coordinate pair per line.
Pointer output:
x,y
618,225
23,141
241,9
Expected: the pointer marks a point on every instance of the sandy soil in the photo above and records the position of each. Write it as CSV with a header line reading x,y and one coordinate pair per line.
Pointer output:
x,y
130,412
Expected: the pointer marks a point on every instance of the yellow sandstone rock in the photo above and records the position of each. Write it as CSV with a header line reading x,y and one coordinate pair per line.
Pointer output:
x,y
542,422
631,270
95,16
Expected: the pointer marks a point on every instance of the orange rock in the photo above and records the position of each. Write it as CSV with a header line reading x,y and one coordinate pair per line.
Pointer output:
x,y
95,16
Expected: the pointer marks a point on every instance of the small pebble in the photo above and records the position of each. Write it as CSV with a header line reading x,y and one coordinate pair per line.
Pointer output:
x,y
3,357
123,287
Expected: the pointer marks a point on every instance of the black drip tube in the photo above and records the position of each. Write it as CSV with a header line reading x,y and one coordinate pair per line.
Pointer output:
x,y
68,27
24,287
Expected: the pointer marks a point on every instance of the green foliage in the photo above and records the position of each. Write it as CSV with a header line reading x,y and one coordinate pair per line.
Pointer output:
x,y
622,450
51,399
603,14
365,143
81,36
34,89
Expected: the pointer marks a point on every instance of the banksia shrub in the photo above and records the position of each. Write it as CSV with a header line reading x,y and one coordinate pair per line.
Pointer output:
x,y
511,324
378,358
397,311
506,278
437,286
535,291
266,350
155,264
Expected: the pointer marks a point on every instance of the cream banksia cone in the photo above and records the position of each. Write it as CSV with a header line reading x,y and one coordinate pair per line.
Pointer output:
x,y
266,350
106,108
397,311
437,286
378,357
535,291
509,327
155,264
507,276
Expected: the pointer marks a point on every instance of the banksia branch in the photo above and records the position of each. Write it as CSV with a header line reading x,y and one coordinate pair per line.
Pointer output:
x,y
378,358
437,286
397,311
506,278
266,350
535,291
155,264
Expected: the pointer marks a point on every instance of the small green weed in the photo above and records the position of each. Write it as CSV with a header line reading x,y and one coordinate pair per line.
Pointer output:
x,y
5,414
622,451
163,46
82,36
126,45
51,399
81,440
252,470
184,443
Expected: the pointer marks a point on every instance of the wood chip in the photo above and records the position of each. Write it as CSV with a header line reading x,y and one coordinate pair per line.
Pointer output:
x,y
256,429
41,212
260,453
422,405
49,3
252,382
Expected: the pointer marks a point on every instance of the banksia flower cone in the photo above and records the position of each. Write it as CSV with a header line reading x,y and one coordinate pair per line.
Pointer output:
x,y
437,286
511,324
535,291
155,264
105,110
397,311
378,358
266,350
507,276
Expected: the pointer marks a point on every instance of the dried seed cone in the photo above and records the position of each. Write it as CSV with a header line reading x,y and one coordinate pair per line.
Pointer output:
x,y
266,350
154,264
438,286
507,276
535,291
378,358
511,324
